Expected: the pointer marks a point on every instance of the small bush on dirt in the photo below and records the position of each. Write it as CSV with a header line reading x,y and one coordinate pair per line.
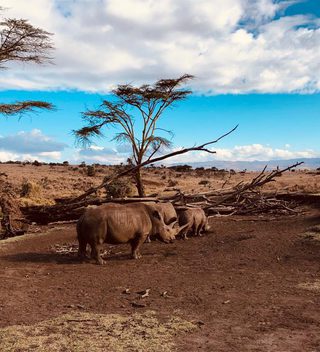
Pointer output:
x,y
31,193
91,170
120,188
172,183
30,189
204,182
36,163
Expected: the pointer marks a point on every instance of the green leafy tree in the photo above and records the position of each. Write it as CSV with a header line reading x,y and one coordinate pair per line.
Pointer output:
x,y
128,103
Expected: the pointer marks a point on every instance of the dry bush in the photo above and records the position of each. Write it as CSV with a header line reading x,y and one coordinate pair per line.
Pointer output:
x,y
91,170
172,183
30,189
204,182
120,188
32,193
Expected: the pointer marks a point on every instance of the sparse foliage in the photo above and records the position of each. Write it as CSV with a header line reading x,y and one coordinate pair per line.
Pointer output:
x,y
20,41
148,102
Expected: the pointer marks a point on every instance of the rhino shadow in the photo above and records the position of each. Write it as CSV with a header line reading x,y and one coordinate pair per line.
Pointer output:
x,y
33,257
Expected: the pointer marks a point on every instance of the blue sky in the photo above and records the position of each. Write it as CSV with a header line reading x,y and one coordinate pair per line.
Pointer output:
x,y
257,64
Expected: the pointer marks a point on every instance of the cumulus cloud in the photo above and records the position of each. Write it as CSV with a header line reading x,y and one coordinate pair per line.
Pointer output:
x,y
30,146
232,46
103,155
253,152
30,142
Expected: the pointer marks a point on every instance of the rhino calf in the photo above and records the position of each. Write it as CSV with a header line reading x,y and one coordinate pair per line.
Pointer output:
x,y
121,223
196,219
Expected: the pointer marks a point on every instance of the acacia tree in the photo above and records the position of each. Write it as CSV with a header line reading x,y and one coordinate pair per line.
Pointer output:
x,y
146,102
20,41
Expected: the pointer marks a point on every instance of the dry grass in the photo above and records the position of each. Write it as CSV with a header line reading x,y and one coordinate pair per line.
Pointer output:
x,y
312,234
95,332
67,181
32,193
311,286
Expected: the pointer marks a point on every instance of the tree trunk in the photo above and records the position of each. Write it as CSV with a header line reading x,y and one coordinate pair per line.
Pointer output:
x,y
139,183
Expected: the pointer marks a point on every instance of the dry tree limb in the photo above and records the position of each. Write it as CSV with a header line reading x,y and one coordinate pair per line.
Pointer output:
x,y
258,181
202,147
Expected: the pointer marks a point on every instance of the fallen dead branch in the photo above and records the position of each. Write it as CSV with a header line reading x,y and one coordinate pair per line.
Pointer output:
x,y
243,199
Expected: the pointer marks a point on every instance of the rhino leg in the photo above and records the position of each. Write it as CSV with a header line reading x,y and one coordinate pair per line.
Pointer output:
x,y
198,231
135,245
95,254
184,235
82,252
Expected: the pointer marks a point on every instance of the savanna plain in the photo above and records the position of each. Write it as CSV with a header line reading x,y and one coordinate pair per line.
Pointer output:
x,y
251,283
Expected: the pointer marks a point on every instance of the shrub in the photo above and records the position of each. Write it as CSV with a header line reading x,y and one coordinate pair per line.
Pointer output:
x,y
36,163
172,183
30,189
119,188
204,182
91,170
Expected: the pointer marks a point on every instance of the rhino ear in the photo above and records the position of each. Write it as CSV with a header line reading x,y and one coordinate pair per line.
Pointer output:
x,y
156,214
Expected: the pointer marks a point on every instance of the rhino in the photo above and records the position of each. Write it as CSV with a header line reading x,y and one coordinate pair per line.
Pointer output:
x,y
195,219
121,223
167,211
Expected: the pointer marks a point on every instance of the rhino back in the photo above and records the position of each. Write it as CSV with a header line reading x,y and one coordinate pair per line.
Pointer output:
x,y
114,223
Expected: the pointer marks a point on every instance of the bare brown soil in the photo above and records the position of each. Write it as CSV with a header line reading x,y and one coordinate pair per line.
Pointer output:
x,y
250,285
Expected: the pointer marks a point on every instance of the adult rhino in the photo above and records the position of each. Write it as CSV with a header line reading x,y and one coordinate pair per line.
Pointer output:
x,y
121,223
167,211
194,220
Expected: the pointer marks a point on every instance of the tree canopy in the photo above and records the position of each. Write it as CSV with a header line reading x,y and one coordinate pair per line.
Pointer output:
x,y
148,102
21,41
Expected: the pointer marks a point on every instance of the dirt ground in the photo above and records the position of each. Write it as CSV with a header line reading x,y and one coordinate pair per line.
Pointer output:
x,y
252,284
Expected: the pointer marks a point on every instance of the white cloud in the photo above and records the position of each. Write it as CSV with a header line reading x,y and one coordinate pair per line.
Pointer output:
x,y
33,145
50,155
251,152
232,46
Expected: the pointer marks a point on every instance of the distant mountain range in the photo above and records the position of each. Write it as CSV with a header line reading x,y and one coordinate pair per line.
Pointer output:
x,y
309,163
